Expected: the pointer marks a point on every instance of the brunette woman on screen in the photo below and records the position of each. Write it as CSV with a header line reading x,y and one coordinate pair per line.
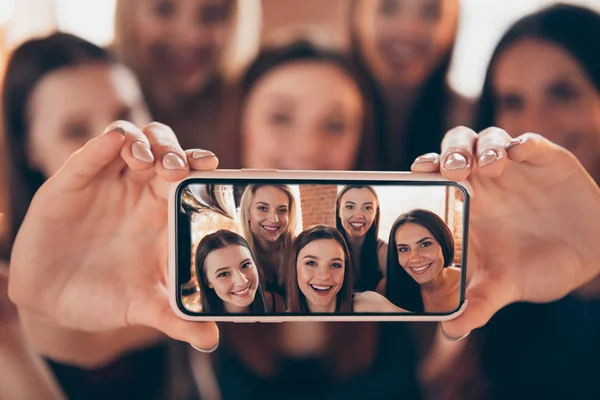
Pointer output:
x,y
544,77
405,47
268,219
321,277
357,216
420,275
228,277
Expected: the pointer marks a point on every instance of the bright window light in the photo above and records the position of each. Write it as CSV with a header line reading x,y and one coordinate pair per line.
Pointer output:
x,y
90,19
6,7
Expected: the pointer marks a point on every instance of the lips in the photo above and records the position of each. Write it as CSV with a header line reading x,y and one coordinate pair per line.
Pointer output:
x,y
321,290
420,270
242,293
271,228
357,225
399,54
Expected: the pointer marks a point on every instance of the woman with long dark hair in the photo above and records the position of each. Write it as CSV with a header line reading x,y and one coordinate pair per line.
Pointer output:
x,y
405,48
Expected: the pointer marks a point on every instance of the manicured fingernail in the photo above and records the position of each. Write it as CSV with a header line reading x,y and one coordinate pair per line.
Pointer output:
x,y
487,157
455,161
141,151
426,159
114,128
513,143
173,161
212,349
198,154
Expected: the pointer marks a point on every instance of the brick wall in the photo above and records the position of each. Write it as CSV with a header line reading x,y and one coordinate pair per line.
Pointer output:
x,y
318,204
456,204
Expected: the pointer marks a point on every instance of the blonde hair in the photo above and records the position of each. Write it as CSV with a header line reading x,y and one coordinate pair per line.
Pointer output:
x,y
243,44
286,240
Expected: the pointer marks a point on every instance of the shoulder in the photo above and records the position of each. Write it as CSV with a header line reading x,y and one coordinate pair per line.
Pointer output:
x,y
372,302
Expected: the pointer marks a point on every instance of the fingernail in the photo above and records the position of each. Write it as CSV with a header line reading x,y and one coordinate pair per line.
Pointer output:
x,y
141,151
173,161
212,349
487,157
425,159
455,161
513,143
114,128
450,338
198,154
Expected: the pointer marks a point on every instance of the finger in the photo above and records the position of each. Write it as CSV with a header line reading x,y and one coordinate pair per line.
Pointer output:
x,y
491,151
88,162
536,150
484,301
170,161
136,151
456,160
156,313
429,162
202,160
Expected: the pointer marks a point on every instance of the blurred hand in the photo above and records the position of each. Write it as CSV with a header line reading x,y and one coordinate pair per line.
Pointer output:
x,y
91,253
534,221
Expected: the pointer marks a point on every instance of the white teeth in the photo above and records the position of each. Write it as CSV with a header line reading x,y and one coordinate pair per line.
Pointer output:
x,y
271,228
357,224
421,268
242,292
321,287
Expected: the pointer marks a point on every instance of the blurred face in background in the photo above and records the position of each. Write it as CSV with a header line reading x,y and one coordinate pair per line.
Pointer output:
x,y
539,87
403,41
303,115
72,105
178,44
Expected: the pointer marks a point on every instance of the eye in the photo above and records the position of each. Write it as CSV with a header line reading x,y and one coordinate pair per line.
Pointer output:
x,y
511,102
78,131
247,265
311,263
403,249
336,265
388,7
368,208
426,244
281,119
431,11
263,208
349,207
214,14
563,92
283,211
335,127
164,9
223,275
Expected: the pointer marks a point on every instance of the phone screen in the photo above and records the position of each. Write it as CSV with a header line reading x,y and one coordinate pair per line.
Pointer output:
x,y
285,247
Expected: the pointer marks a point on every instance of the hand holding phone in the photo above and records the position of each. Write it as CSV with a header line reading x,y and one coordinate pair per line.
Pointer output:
x,y
272,246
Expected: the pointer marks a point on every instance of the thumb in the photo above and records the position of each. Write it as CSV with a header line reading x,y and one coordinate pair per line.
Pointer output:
x,y
483,301
157,313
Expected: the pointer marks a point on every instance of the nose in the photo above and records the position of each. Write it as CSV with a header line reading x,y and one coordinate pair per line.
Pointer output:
x,y
305,150
414,256
273,216
188,32
239,279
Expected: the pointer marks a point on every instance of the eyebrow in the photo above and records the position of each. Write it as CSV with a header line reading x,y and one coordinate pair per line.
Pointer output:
x,y
247,260
262,203
221,269
418,242
317,258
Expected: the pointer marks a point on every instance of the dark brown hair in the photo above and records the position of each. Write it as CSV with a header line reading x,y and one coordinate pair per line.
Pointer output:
x,y
296,301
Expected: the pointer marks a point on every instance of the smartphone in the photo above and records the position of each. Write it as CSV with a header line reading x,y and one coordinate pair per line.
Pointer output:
x,y
276,246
